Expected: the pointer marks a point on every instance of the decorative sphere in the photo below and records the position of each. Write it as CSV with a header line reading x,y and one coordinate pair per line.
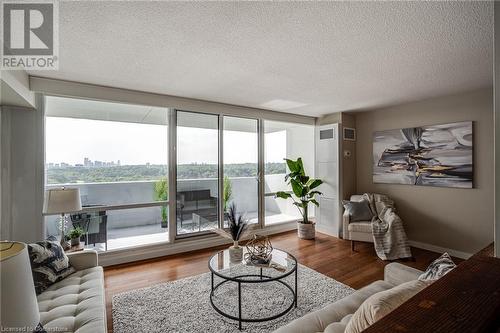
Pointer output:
x,y
259,250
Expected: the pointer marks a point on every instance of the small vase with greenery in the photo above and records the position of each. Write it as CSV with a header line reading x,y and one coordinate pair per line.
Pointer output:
x,y
161,194
238,227
75,235
303,189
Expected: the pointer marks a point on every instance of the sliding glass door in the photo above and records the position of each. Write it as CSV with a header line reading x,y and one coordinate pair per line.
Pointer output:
x,y
218,167
197,197
241,168
284,140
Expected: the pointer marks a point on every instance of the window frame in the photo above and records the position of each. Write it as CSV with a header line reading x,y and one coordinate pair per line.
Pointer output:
x,y
235,111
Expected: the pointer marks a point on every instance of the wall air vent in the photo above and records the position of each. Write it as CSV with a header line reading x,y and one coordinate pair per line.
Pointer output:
x,y
326,134
349,134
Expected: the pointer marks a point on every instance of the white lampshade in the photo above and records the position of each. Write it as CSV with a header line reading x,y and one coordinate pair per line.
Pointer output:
x,y
62,200
19,305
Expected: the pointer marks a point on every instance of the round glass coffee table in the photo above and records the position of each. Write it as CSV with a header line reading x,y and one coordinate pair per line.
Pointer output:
x,y
282,264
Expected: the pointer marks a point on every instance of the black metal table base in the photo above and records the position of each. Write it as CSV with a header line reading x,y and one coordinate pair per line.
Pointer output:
x,y
262,279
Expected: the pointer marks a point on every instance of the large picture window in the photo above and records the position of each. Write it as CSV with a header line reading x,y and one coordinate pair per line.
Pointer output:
x,y
116,154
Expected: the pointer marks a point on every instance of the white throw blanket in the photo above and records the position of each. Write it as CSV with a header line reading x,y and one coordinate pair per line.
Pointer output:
x,y
389,235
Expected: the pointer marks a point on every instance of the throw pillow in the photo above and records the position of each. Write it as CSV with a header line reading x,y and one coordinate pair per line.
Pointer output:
x,y
382,303
358,211
49,264
438,268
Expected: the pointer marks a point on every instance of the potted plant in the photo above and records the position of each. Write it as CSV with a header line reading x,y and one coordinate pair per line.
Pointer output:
x,y
227,192
75,235
303,189
237,229
161,194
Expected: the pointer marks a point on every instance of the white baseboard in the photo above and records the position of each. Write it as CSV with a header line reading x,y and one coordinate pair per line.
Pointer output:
x,y
439,249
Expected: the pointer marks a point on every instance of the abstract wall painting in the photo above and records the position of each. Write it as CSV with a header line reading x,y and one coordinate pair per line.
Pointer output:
x,y
438,155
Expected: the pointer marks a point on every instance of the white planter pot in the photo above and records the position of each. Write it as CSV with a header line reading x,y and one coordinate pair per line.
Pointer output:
x,y
306,230
235,252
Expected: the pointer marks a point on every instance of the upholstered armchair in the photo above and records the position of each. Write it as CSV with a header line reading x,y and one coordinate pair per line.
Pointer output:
x,y
356,231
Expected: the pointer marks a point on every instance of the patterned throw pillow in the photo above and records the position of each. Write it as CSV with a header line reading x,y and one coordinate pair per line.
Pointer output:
x,y
358,211
438,268
49,264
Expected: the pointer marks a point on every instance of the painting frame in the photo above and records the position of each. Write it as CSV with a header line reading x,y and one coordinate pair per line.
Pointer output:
x,y
439,155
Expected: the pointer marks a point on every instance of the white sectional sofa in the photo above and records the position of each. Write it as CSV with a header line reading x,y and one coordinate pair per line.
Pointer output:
x,y
76,304
334,317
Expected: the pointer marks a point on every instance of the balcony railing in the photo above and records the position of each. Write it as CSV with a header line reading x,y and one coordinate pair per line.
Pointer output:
x,y
134,218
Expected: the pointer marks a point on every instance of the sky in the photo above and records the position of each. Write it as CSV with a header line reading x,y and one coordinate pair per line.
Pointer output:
x,y
71,140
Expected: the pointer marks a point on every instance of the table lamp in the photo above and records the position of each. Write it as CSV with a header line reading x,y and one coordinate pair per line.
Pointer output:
x,y
61,201
19,307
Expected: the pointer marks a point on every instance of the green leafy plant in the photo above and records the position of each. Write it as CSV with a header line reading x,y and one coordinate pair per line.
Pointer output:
x,y
161,194
75,233
302,187
227,191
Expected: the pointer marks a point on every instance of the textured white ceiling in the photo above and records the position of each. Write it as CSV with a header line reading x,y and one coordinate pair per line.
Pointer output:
x,y
331,56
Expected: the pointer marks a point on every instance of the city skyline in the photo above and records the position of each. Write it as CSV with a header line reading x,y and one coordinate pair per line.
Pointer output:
x,y
118,163
87,162
69,140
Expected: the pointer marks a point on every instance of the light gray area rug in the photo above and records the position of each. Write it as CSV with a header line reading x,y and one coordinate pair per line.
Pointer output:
x,y
184,305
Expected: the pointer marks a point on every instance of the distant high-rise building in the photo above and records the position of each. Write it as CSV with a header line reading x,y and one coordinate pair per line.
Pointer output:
x,y
118,163
87,162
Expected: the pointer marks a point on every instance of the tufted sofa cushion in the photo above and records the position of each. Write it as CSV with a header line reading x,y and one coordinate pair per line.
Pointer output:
x,y
75,304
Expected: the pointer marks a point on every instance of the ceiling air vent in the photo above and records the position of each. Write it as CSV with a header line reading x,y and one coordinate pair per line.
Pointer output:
x,y
349,134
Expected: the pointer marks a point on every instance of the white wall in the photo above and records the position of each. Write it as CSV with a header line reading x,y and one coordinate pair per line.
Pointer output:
x,y
15,89
22,174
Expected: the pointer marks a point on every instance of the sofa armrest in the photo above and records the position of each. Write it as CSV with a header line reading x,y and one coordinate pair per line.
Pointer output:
x,y
346,218
83,259
396,273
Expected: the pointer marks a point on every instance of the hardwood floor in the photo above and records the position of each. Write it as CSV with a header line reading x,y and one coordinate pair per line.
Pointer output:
x,y
328,255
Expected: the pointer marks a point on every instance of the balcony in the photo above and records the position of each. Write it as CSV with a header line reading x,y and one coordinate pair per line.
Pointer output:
x,y
112,229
